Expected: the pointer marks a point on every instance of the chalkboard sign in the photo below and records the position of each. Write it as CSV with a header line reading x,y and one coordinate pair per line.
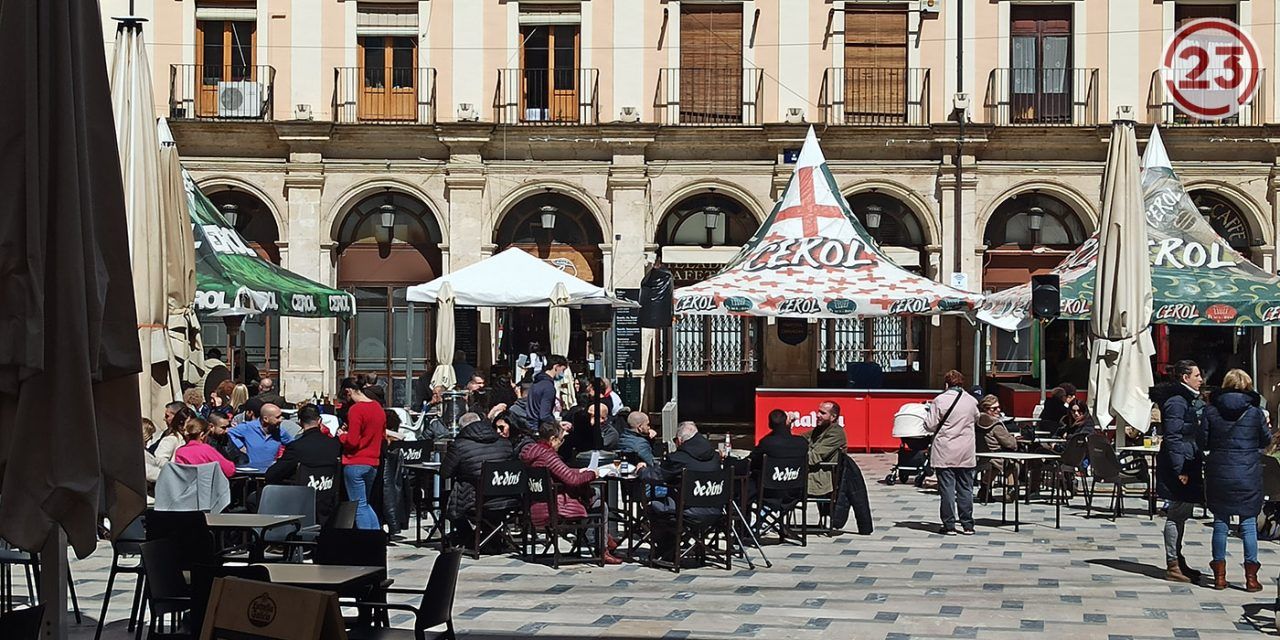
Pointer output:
x,y
466,323
627,332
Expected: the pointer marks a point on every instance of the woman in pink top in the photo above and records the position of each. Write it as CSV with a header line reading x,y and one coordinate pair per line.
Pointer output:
x,y
196,451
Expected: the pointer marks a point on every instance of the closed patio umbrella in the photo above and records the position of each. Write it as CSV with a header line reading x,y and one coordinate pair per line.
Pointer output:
x,y
558,321
186,348
1120,325
70,440
444,373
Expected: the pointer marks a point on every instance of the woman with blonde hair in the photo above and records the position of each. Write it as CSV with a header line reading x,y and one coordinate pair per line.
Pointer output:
x,y
1234,432
239,396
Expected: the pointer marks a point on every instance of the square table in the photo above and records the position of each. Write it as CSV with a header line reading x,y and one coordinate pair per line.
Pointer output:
x,y
327,577
255,524
1019,460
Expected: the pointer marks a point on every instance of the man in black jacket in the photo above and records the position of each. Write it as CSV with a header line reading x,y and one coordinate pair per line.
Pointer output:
x,y
478,442
694,453
218,439
542,395
778,444
312,449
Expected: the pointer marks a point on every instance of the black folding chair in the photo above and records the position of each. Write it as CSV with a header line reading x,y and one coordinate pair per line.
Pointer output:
x,y
167,592
128,545
699,537
543,489
325,480
827,502
1070,463
358,547
499,497
780,489
435,610
1105,465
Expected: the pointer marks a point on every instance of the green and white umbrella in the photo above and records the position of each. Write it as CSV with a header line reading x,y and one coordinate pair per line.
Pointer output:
x,y
230,274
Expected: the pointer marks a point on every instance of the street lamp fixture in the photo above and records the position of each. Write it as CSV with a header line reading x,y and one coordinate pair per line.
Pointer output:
x,y
873,214
387,213
711,216
547,214
1035,218
231,213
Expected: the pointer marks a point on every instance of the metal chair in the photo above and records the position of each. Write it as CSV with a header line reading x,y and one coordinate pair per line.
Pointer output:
x,y
1105,465
713,490
290,500
435,610
325,481
499,494
543,489
167,591
128,545
10,557
780,490
826,503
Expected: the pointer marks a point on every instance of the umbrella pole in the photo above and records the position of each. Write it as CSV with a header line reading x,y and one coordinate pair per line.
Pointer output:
x,y
346,349
408,359
1040,355
53,585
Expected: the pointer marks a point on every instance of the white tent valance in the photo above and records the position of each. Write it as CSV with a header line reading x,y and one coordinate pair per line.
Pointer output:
x,y
514,278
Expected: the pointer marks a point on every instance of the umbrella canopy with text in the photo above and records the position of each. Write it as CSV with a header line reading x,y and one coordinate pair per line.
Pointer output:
x,y
1196,277
228,271
812,259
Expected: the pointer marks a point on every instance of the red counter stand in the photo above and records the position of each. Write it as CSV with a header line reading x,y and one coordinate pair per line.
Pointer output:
x,y
867,414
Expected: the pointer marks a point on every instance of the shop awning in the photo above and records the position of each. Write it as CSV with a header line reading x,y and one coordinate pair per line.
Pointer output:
x,y
230,273
812,259
1196,277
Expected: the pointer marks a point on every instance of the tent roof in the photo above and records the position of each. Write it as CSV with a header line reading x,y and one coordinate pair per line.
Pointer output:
x,y
512,278
812,259
1196,277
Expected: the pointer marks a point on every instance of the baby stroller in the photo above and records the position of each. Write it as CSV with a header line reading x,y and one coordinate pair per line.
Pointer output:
x,y
913,447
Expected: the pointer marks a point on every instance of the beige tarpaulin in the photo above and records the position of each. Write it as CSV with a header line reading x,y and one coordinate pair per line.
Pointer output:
x,y
558,327
185,344
1120,325
444,373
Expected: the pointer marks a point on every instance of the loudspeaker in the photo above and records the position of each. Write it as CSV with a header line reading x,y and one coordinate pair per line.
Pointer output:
x,y
1046,302
597,316
657,299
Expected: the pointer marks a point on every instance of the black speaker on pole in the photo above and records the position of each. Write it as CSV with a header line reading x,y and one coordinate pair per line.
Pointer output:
x,y
1046,301
657,299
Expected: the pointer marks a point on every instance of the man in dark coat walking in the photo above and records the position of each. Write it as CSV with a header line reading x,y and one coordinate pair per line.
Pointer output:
x,y
1178,462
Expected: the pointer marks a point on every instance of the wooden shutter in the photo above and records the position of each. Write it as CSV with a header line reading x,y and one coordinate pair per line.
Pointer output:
x,y
711,63
1184,13
875,63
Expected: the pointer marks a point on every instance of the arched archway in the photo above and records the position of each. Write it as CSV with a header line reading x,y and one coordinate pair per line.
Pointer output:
x,y
1226,217
385,242
253,218
706,219
560,229
1029,234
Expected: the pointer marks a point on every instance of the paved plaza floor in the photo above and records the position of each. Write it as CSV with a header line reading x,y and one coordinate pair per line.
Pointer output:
x,y
1093,578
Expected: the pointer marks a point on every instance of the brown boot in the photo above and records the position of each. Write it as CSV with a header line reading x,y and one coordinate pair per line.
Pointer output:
x,y
1219,574
1174,572
1188,571
1251,583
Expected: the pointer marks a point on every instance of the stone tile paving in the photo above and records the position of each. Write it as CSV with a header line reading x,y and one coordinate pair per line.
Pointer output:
x,y
1092,578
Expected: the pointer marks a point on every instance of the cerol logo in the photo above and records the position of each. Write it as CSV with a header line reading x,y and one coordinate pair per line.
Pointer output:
x,y
807,306
505,479
224,240
303,303
1270,314
785,474
909,305
320,483
1178,311
1075,307
340,304
708,488
695,303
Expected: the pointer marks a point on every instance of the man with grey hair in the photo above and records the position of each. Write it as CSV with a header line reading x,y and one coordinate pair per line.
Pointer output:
x,y
467,419
634,440
478,442
267,392
695,453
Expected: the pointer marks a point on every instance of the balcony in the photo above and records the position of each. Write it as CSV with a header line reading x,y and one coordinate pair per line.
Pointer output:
x,y
1042,97
872,96
404,95
547,96
708,96
218,92
1161,109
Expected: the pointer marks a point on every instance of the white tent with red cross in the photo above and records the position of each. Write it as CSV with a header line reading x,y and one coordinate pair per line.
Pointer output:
x,y
812,259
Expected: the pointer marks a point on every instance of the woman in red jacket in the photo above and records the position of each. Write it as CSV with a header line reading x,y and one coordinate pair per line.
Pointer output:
x,y
576,494
362,451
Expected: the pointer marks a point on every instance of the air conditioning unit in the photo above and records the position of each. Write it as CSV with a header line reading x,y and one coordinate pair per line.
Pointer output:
x,y
795,115
629,114
240,99
960,102
1124,112
467,112
930,6
302,112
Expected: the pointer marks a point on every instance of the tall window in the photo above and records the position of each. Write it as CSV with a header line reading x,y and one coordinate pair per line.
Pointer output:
x,y
387,37
226,37
1041,55
1184,13
875,62
711,63
549,65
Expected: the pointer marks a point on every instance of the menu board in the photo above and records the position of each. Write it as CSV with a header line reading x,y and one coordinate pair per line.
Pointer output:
x,y
626,331
466,323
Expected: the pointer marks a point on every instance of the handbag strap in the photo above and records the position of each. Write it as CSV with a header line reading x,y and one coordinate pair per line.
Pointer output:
x,y
951,408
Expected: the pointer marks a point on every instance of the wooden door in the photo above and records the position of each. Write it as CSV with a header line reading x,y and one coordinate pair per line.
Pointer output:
x,y
1040,79
388,78
875,63
711,63
224,53
549,73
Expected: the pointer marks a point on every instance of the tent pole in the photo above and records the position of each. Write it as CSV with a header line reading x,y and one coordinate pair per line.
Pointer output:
x,y
977,355
1040,355
346,349
1254,338
408,358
